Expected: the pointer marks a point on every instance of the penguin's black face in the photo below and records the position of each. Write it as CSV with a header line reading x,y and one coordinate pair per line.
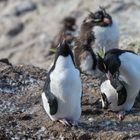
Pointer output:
x,y
100,18
64,50
111,63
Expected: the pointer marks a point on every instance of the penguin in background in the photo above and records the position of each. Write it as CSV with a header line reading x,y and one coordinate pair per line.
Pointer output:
x,y
69,27
106,31
98,33
85,58
123,66
63,88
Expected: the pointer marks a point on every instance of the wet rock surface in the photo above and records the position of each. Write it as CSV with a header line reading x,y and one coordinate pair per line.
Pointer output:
x,y
25,39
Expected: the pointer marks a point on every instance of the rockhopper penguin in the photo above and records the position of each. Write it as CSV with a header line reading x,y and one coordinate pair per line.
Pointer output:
x,y
123,65
63,89
106,31
98,33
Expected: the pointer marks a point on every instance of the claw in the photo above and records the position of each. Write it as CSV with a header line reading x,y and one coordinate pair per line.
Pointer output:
x,y
121,115
65,122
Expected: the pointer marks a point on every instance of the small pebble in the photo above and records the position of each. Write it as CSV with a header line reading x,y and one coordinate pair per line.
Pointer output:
x,y
90,119
107,122
130,125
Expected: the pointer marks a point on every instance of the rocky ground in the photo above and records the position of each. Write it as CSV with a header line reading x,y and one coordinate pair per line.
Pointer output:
x,y
27,29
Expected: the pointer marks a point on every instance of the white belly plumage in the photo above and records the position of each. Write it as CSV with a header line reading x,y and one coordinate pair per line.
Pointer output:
x,y
66,86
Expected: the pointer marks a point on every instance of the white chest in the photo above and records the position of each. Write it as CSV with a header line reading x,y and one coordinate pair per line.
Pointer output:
x,y
106,37
86,63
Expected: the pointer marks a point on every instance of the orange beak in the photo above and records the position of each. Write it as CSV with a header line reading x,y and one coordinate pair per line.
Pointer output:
x,y
109,76
106,20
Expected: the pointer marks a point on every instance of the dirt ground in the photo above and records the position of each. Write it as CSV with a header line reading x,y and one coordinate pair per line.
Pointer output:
x,y
22,115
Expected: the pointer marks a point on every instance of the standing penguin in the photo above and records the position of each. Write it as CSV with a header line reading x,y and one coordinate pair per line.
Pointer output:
x,y
63,89
106,31
98,33
85,58
123,65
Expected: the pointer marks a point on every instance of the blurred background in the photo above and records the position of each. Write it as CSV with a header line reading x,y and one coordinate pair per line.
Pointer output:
x,y
28,27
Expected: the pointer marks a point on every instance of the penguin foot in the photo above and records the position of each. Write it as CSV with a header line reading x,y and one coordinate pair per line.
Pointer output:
x,y
121,115
74,123
65,122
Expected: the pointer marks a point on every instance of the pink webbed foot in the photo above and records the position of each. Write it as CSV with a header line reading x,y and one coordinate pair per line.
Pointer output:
x,y
121,115
68,122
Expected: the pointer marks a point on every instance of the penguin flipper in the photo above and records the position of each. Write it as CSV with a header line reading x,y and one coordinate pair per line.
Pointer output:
x,y
53,103
121,90
122,95
52,100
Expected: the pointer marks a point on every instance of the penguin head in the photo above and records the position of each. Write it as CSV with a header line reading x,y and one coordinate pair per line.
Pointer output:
x,y
111,63
69,23
63,51
99,18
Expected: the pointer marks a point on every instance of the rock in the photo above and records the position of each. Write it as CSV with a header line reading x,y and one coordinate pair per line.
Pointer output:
x,y
40,131
129,125
19,78
84,136
24,7
15,30
18,8
3,135
26,117
11,26
6,61
91,119
107,123
2,0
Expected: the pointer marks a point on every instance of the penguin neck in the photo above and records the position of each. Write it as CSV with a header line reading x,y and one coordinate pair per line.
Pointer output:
x,y
85,31
64,62
107,36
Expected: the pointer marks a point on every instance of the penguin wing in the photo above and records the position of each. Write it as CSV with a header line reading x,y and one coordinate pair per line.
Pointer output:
x,y
122,95
52,100
121,90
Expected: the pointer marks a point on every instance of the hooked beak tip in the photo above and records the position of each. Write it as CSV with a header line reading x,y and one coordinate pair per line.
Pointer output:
x,y
107,21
